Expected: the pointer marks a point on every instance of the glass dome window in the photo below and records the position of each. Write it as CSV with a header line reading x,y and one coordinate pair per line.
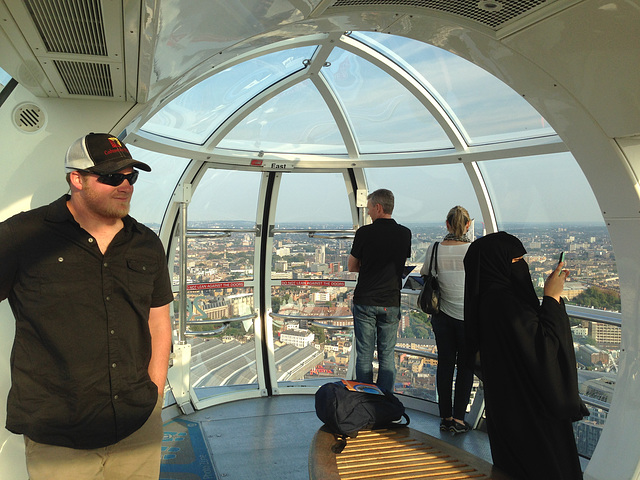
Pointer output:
x,y
225,198
314,200
154,189
4,78
524,192
489,110
384,115
197,113
367,96
281,125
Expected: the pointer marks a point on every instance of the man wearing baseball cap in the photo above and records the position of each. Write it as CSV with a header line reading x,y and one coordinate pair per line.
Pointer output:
x,y
90,291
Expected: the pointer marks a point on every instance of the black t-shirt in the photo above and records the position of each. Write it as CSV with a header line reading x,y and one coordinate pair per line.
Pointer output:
x,y
382,249
82,345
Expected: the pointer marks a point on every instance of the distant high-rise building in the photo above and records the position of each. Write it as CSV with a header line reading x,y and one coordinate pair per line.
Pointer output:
x,y
605,335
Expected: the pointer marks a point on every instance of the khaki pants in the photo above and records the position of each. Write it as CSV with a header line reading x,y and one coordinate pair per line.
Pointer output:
x,y
136,457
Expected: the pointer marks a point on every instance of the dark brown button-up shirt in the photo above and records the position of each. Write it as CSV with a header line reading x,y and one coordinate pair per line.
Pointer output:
x,y
82,345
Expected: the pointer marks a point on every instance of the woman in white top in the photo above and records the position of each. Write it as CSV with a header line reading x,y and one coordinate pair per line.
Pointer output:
x,y
448,324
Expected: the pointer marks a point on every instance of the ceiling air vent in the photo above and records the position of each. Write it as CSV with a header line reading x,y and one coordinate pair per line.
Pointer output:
x,y
494,14
70,26
28,117
84,78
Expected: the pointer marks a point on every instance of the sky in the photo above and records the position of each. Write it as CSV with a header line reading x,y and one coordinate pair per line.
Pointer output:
x,y
543,189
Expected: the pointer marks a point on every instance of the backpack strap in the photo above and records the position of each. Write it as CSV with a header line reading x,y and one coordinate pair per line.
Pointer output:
x,y
399,423
341,442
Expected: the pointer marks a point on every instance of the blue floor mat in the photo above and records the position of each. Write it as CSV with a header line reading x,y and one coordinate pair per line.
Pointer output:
x,y
184,453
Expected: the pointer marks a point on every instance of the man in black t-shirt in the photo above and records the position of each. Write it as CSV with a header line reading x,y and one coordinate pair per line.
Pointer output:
x,y
378,253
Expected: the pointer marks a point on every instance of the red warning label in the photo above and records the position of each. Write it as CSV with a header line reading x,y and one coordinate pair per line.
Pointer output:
x,y
207,286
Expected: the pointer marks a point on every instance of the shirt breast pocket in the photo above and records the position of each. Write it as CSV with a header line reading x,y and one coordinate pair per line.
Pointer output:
x,y
62,278
141,276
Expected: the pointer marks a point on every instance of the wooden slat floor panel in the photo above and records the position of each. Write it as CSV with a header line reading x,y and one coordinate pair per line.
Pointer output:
x,y
394,454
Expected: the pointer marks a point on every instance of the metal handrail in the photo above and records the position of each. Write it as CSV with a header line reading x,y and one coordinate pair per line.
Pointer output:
x,y
418,353
311,317
332,236
221,229
594,315
218,232
208,333
209,235
332,327
311,230
222,320
319,233
225,324
314,320
575,311
594,402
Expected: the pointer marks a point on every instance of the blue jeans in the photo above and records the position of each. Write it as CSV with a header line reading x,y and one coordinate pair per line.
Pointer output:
x,y
370,323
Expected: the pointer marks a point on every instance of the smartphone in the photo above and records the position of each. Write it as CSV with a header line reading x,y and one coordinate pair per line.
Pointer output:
x,y
561,259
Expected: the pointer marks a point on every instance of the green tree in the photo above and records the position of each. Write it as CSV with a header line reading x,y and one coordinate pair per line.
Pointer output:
x,y
319,332
598,298
275,304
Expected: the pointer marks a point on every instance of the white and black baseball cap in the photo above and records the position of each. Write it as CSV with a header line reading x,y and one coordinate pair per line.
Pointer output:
x,y
100,153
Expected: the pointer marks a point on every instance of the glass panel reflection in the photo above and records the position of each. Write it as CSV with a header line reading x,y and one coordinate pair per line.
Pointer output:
x,y
384,116
313,200
225,198
489,110
154,189
544,189
4,78
220,296
223,353
219,326
280,125
318,349
311,285
302,309
197,113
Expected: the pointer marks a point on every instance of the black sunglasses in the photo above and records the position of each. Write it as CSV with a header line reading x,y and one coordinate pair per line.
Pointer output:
x,y
115,179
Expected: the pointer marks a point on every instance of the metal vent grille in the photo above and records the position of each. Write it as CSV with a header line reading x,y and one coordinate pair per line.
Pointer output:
x,y
70,26
83,78
28,117
491,13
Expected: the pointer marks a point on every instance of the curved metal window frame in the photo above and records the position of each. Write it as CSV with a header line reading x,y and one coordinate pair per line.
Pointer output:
x,y
7,90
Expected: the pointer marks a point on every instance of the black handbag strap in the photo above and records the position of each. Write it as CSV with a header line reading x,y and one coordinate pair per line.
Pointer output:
x,y
434,252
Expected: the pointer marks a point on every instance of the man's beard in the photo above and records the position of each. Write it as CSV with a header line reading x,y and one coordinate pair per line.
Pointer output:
x,y
105,206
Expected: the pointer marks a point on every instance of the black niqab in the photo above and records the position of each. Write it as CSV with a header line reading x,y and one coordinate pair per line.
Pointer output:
x,y
489,265
527,360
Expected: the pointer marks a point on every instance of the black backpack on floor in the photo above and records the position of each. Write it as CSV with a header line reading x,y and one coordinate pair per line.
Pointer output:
x,y
345,412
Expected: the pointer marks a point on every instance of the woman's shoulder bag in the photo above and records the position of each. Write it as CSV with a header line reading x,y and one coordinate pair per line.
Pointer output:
x,y
429,298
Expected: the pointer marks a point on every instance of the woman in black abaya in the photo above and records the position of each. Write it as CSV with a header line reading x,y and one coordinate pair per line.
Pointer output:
x,y
527,361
